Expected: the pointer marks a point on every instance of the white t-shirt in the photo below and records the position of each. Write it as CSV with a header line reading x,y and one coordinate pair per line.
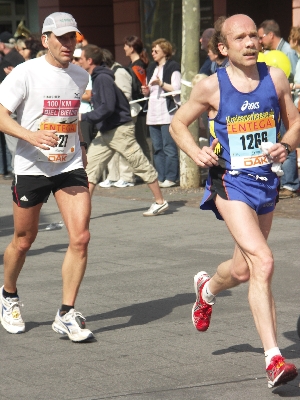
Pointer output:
x,y
46,97
85,106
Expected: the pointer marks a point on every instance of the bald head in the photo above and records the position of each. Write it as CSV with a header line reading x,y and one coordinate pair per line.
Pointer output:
x,y
235,23
206,35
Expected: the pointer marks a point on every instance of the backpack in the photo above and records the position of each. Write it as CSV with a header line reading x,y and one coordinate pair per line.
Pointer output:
x,y
136,83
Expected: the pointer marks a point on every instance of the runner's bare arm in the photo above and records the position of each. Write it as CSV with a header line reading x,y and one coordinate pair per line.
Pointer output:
x,y
204,96
289,114
42,139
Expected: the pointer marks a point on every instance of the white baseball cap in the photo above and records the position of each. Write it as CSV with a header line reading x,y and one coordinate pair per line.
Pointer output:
x,y
60,23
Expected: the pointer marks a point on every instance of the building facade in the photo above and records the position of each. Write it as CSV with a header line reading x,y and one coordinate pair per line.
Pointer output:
x,y
107,22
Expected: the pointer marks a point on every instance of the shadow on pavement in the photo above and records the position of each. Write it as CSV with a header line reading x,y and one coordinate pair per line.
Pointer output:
x,y
145,313
173,207
139,313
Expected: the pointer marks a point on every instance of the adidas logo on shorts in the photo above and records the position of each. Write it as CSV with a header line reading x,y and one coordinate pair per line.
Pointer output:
x,y
24,198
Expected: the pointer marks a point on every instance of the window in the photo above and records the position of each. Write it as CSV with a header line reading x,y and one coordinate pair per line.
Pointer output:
x,y
11,13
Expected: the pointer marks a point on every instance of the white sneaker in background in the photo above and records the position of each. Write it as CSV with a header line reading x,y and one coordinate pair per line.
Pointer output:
x,y
156,209
167,184
107,183
123,184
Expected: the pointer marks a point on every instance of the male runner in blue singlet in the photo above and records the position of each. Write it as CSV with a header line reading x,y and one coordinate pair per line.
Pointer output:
x,y
245,104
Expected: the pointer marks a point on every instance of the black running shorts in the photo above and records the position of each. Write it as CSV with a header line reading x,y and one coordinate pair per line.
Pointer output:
x,y
30,190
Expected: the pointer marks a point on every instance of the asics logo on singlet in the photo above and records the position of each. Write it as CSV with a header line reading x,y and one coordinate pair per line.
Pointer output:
x,y
268,204
250,106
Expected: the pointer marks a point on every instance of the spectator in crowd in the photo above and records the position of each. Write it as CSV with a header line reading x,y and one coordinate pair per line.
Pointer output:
x,y
11,56
6,166
163,76
28,48
10,60
134,49
87,128
270,38
204,39
294,40
112,117
120,173
217,58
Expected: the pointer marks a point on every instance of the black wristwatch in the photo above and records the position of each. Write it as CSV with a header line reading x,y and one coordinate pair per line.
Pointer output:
x,y
287,147
83,144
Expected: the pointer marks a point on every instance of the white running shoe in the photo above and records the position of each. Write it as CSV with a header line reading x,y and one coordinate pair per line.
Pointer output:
x,y
107,183
10,316
156,209
123,184
72,324
167,184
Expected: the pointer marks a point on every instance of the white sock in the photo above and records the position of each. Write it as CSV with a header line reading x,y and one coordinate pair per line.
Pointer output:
x,y
271,353
207,294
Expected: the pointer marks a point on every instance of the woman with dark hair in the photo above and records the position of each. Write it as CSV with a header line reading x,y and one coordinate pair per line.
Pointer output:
x,y
134,49
163,76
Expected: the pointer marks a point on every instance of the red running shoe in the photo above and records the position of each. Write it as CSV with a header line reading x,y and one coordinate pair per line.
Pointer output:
x,y
201,310
280,372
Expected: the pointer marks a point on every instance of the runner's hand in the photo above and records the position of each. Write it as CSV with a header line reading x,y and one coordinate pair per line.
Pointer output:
x,y
43,139
278,153
206,156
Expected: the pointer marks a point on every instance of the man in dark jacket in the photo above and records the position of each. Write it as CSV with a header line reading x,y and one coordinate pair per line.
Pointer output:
x,y
111,116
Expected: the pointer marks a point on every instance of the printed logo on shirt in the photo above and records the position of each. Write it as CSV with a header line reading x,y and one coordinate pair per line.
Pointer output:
x,y
59,127
250,106
24,198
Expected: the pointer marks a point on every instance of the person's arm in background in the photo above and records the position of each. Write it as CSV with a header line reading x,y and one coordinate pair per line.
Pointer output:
x,y
124,82
104,100
87,95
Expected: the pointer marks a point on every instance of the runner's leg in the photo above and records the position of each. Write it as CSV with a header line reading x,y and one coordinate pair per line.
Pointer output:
x,y
25,230
75,206
250,236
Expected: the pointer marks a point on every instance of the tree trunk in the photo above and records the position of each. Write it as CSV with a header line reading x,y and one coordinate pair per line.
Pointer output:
x,y
189,171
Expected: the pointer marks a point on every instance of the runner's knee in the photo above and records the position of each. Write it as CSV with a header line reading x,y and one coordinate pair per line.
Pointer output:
x,y
263,268
80,240
22,244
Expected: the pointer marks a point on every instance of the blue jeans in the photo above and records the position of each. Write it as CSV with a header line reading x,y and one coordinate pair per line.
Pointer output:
x,y
290,178
165,154
5,159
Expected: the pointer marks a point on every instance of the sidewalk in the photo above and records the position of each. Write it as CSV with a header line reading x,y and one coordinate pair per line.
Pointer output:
x,y
137,296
